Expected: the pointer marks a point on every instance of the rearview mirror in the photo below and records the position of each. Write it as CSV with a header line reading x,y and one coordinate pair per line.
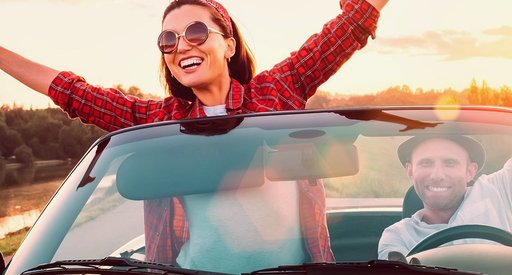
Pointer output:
x,y
305,161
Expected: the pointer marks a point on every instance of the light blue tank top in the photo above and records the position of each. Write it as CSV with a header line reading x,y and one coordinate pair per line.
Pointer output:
x,y
251,229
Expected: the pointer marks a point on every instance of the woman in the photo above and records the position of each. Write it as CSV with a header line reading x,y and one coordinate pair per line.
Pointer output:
x,y
209,70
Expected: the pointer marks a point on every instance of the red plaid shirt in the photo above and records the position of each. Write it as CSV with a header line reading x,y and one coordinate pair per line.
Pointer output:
x,y
286,86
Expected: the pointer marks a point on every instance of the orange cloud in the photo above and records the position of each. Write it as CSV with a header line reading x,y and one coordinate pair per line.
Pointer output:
x,y
451,45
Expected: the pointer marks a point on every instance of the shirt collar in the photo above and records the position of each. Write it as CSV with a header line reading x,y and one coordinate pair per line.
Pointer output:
x,y
234,101
235,96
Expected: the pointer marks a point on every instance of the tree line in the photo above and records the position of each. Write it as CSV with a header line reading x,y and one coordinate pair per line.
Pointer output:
x,y
44,134
47,134
475,94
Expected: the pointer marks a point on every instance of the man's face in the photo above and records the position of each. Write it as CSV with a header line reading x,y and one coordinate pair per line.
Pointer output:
x,y
440,170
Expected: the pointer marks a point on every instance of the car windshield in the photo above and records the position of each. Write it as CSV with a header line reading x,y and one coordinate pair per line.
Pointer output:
x,y
242,193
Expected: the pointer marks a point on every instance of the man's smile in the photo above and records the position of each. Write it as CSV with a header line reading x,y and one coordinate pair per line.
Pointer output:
x,y
433,188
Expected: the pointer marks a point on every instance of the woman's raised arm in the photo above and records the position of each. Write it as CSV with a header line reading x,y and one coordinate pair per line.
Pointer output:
x,y
34,75
378,4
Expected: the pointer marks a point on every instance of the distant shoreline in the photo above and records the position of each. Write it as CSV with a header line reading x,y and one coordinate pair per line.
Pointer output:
x,y
37,163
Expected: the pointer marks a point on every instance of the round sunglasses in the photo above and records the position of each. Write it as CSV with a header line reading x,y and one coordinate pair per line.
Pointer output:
x,y
196,33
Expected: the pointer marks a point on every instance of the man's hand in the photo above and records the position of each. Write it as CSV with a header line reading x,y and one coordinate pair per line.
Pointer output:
x,y
399,257
396,256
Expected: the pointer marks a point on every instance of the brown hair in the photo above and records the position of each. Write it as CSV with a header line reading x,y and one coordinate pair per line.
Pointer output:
x,y
241,66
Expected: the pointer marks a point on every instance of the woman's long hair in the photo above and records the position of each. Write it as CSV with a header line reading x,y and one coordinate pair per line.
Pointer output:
x,y
241,66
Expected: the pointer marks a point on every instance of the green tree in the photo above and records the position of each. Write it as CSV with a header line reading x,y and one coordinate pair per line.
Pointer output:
x,y
474,94
73,139
10,140
3,109
486,95
3,172
42,134
505,96
16,118
49,150
24,155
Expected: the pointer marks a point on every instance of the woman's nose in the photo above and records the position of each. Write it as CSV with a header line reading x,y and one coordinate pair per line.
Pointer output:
x,y
182,45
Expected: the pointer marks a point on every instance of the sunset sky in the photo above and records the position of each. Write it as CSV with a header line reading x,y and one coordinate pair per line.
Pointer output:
x,y
429,44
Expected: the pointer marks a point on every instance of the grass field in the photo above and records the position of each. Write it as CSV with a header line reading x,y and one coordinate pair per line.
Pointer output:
x,y
11,242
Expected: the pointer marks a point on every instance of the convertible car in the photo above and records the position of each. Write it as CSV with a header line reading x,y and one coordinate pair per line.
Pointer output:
x,y
295,192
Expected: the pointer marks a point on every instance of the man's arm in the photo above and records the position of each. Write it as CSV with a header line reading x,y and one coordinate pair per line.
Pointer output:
x,y
393,240
34,75
501,179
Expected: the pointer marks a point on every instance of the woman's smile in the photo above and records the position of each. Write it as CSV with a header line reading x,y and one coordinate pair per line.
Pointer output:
x,y
189,64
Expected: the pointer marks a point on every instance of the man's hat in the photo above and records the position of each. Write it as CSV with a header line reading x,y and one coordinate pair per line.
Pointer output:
x,y
474,148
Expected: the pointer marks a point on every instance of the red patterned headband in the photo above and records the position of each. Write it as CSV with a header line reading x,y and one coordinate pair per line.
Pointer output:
x,y
223,13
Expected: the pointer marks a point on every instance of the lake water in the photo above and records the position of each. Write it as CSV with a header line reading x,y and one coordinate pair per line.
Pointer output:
x,y
24,191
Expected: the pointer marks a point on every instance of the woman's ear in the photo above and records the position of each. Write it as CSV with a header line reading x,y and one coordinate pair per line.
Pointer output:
x,y
231,47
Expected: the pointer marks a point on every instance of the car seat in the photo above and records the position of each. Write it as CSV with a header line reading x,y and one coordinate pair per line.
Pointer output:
x,y
411,204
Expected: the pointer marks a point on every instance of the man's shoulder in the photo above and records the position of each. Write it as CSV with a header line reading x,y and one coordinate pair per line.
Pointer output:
x,y
400,226
412,227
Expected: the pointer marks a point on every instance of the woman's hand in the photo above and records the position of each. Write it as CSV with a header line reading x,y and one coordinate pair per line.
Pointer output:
x,y
378,4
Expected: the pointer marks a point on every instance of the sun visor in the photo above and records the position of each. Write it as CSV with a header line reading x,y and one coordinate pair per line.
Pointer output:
x,y
229,162
215,165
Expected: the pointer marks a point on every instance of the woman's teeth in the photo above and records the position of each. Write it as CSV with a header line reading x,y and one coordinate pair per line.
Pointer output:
x,y
191,62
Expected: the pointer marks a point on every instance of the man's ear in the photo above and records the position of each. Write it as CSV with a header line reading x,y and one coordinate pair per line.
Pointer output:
x,y
408,169
471,171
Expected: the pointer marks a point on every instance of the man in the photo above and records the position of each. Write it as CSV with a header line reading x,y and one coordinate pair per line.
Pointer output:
x,y
441,169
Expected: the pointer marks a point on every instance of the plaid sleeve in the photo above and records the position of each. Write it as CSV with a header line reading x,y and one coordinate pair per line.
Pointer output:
x,y
324,53
165,229
106,108
313,221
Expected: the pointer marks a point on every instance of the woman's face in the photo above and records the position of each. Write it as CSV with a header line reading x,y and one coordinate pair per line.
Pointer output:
x,y
197,66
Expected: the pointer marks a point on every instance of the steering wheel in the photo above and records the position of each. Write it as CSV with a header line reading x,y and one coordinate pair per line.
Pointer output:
x,y
467,231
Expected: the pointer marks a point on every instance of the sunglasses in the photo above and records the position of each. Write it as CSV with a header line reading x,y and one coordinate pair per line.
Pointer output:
x,y
196,33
